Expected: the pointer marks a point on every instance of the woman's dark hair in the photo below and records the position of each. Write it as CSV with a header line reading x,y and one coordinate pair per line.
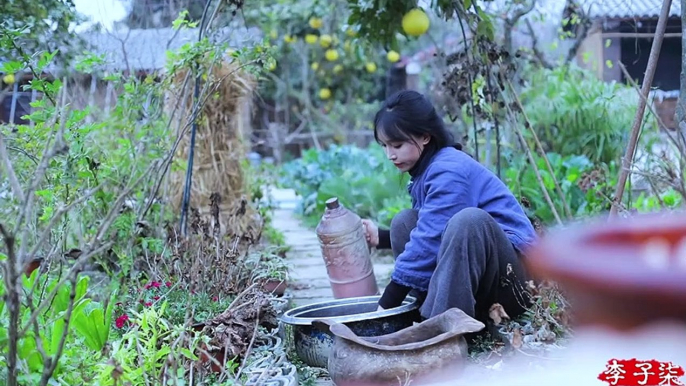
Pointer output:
x,y
406,114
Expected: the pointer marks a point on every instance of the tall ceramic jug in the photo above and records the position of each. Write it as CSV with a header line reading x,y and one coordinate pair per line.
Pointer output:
x,y
345,252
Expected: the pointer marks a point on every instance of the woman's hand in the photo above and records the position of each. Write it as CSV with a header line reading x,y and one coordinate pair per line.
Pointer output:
x,y
371,232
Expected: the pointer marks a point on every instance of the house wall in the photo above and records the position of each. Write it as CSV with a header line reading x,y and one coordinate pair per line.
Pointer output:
x,y
612,53
590,54
602,51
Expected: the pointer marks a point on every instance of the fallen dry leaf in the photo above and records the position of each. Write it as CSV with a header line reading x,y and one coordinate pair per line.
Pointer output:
x,y
517,338
532,288
497,313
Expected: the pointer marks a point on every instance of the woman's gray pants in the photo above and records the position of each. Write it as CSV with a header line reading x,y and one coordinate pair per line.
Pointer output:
x,y
476,266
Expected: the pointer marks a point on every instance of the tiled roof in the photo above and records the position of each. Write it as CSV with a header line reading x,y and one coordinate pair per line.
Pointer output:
x,y
627,9
145,49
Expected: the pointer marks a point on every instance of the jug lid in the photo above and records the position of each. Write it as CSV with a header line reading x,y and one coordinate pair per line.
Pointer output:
x,y
332,203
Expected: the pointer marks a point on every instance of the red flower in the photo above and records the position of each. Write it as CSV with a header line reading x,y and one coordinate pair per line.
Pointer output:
x,y
121,320
215,299
168,284
155,298
148,304
152,284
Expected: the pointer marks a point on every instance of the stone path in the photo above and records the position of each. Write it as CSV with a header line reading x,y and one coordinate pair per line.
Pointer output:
x,y
308,282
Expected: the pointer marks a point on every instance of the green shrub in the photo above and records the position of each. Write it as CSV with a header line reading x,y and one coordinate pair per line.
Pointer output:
x,y
575,113
362,179
586,186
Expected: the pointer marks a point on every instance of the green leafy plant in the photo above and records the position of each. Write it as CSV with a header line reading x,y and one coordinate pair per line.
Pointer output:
x,y
585,185
180,300
70,319
152,350
575,113
84,200
362,179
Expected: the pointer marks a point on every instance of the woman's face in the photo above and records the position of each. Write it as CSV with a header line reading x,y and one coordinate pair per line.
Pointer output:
x,y
404,154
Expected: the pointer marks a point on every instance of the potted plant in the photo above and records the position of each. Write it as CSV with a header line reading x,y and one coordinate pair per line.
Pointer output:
x,y
272,272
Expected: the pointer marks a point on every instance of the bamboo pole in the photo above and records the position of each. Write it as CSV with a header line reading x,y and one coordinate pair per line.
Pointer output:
x,y
638,119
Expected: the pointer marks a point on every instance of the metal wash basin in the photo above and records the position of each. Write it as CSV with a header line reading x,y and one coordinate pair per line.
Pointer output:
x,y
359,314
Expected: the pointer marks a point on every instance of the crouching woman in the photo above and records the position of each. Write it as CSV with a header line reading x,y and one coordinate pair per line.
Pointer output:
x,y
462,242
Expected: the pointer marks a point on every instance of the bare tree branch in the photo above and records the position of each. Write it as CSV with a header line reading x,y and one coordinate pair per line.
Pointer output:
x,y
638,119
13,305
511,22
58,215
9,169
534,46
527,123
49,368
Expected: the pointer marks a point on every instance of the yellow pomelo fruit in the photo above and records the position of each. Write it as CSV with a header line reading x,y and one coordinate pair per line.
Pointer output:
x,y
310,38
289,39
316,22
325,40
314,66
331,55
8,79
370,66
392,56
337,69
415,22
325,93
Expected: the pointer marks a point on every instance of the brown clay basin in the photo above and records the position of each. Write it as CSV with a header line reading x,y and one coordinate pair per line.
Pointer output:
x,y
428,352
620,274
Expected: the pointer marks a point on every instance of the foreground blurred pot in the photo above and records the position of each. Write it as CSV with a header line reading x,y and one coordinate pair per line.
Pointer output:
x,y
431,351
621,274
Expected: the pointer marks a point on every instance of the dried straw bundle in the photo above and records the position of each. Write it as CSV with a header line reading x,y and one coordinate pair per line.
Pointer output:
x,y
220,148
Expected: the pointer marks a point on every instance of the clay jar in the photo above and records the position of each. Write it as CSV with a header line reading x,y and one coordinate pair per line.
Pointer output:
x,y
345,252
431,351
619,274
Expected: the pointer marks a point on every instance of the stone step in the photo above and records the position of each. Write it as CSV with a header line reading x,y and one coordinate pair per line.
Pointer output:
x,y
313,293
303,283
306,261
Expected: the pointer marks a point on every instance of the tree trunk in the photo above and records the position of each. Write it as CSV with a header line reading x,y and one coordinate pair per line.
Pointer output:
x,y
681,104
